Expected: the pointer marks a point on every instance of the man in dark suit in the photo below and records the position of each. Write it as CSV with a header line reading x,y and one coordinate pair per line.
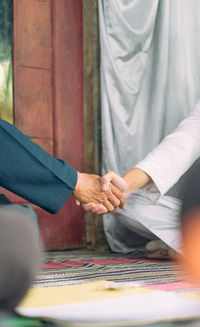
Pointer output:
x,y
29,171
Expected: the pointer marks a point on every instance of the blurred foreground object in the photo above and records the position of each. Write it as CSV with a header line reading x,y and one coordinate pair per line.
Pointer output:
x,y
190,223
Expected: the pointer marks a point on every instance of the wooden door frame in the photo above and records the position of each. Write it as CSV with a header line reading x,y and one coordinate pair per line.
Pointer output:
x,y
48,96
91,109
92,113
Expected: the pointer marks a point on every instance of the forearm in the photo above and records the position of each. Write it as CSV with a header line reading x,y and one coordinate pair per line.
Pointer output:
x,y
175,154
136,178
29,171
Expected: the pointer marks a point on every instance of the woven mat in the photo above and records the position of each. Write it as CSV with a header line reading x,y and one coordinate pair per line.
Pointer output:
x,y
67,268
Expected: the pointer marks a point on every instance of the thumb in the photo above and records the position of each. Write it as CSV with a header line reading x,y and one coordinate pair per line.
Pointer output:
x,y
78,203
116,180
105,180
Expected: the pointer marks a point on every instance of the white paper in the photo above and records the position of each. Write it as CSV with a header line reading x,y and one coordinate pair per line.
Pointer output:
x,y
148,306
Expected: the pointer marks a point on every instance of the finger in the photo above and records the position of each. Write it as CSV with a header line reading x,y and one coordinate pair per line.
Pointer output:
x,y
88,206
113,199
115,179
105,181
99,209
119,195
95,208
102,211
108,205
122,204
78,203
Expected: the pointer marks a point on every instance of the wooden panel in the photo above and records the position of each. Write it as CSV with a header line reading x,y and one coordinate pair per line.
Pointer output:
x,y
92,114
49,100
32,32
62,231
45,143
34,98
68,105
92,103
68,96
57,231
11,196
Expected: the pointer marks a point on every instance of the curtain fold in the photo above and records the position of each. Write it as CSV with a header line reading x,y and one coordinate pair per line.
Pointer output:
x,y
150,81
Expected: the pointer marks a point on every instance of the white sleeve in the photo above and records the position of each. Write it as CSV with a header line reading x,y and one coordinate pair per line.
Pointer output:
x,y
175,154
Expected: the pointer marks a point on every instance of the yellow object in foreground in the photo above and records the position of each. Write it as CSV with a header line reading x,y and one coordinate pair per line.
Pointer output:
x,y
54,296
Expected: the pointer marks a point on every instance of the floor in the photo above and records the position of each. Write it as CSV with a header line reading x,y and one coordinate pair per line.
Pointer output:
x,y
68,268
61,268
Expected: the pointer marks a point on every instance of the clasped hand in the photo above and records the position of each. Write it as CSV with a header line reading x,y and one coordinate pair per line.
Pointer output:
x,y
100,194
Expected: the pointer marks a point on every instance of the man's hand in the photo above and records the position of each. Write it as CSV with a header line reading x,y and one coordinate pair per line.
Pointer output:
x,y
131,181
88,191
116,180
109,180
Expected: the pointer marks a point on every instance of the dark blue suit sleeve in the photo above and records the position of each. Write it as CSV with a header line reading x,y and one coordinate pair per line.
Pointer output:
x,y
29,171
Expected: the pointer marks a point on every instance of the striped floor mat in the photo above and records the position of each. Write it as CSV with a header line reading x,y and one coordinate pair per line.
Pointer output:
x,y
62,268
68,268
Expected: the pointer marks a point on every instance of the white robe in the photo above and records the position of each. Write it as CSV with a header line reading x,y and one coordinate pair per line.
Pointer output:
x,y
149,212
150,81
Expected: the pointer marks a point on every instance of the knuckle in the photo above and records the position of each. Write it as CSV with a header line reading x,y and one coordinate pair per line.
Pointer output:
x,y
108,192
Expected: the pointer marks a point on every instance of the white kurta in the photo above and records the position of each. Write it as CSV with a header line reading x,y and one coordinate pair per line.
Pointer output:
x,y
149,212
150,82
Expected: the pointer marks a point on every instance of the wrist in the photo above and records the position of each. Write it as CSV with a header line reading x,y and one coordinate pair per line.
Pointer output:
x,y
135,179
78,183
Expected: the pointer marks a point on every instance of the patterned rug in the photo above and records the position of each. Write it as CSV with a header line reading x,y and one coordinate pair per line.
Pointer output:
x,y
62,268
68,268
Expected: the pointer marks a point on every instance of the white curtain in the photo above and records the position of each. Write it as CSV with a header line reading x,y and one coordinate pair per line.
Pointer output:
x,y
150,81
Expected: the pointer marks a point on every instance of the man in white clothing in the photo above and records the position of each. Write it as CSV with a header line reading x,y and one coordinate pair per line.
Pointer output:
x,y
149,212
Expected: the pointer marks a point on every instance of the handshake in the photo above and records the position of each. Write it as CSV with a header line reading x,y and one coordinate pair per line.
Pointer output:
x,y
100,194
